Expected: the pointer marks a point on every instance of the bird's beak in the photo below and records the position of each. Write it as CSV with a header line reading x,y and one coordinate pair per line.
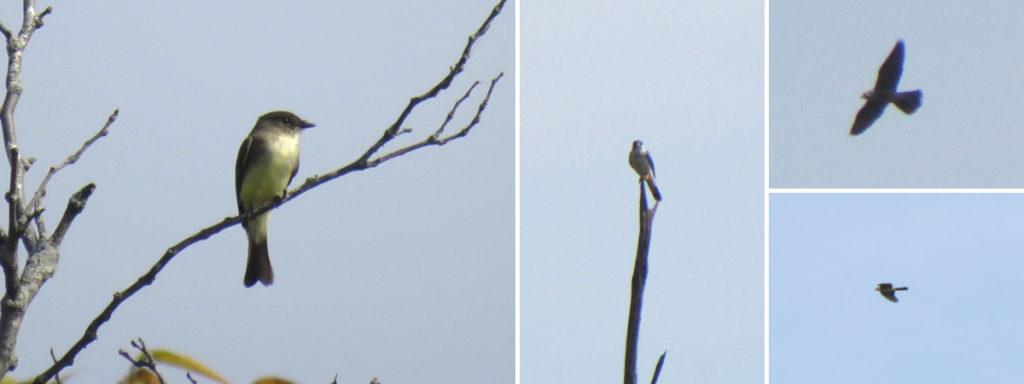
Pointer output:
x,y
306,124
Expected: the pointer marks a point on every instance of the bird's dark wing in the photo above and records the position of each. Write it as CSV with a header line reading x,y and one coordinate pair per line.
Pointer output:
x,y
253,149
867,115
294,171
651,162
890,295
891,70
243,158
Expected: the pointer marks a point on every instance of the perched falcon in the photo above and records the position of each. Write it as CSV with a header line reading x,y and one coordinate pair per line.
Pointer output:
x,y
888,291
640,160
885,93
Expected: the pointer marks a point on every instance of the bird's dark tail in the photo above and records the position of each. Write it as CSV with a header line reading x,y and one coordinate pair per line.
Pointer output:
x,y
258,268
908,102
900,289
654,190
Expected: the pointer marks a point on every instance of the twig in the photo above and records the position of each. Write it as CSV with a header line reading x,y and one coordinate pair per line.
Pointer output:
x,y
75,206
146,361
53,357
454,70
433,139
359,164
657,368
451,112
41,191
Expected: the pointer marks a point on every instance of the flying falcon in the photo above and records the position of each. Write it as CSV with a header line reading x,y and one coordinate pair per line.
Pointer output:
x,y
888,291
885,93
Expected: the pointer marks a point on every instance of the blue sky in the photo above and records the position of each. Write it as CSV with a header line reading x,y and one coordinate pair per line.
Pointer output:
x,y
963,55
959,254
687,78
376,272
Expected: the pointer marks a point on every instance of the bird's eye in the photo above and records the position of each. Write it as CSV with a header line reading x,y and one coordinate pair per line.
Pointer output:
x,y
286,120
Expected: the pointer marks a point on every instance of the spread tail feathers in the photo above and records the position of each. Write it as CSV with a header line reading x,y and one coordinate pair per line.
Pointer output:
x,y
908,102
258,268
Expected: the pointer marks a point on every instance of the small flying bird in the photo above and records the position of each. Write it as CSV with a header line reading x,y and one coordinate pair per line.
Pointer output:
x,y
885,93
888,291
640,160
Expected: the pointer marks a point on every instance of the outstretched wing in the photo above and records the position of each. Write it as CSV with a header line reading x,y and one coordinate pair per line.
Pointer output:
x,y
867,115
891,70
891,296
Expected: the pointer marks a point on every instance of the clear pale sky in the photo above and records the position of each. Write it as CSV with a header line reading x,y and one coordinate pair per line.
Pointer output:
x,y
964,56
958,254
376,272
687,78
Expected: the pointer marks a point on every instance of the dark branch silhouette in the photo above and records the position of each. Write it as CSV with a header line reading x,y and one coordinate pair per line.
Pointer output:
x,y
636,297
657,368
145,361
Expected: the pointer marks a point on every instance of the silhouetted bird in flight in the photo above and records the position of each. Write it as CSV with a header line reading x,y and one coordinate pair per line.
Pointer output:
x,y
885,93
888,291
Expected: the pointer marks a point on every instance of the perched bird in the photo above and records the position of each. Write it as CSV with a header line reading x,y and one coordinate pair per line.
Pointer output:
x,y
885,93
888,291
640,160
267,162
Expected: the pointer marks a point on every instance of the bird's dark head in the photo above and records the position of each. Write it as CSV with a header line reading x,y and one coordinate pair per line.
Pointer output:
x,y
867,95
637,145
286,119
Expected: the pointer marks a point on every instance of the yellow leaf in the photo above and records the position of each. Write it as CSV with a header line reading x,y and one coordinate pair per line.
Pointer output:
x,y
186,363
140,376
272,380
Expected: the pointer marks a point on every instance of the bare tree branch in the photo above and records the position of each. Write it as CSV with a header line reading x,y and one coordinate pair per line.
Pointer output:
x,y
53,357
393,131
451,112
657,368
15,300
145,361
75,206
9,258
33,205
361,163
434,139
637,287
